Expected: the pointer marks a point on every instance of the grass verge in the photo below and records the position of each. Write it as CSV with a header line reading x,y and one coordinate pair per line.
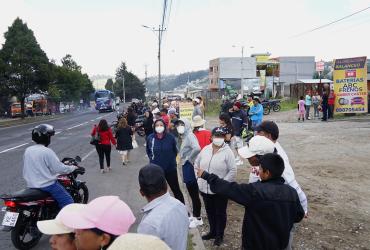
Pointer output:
x,y
213,108
288,105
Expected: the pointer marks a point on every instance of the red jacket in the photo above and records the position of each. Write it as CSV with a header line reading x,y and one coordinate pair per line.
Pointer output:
x,y
331,99
166,120
106,137
204,137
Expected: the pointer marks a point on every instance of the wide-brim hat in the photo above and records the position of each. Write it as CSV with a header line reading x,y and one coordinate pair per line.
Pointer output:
x,y
197,121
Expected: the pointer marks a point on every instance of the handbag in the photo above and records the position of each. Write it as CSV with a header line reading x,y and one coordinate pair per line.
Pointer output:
x,y
95,139
134,144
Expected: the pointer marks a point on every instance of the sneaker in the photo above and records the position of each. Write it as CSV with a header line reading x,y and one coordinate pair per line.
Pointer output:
x,y
109,169
102,171
208,236
123,164
144,144
194,222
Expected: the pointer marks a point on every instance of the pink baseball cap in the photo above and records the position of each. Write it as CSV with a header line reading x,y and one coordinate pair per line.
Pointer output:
x,y
107,213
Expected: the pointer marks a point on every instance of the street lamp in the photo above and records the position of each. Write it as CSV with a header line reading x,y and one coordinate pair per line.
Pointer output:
x,y
159,30
241,69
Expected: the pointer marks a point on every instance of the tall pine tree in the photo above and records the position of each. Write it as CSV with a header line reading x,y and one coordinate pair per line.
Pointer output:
x,y
26,66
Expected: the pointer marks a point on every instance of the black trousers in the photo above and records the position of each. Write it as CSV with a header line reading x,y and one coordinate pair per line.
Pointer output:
x,y
193,191
324,112
216,206
173,182
104,150
330,111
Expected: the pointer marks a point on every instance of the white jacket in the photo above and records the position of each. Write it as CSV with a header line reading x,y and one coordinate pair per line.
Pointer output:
x,y
222,164
288,176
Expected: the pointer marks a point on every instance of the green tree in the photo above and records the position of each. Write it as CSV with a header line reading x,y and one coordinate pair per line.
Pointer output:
x,y
109,84
71,84
134,88
26,67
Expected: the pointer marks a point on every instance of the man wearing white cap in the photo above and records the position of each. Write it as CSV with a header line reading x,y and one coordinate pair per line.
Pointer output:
x,y
258,146
197,109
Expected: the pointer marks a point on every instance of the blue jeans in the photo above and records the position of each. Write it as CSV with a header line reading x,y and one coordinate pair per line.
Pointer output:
x,y
59,193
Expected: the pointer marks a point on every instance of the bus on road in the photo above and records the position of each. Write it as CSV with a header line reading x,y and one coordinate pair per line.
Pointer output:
x,y
105,101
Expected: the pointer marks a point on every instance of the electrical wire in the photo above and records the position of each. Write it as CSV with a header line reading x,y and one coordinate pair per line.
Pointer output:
x,y
328,24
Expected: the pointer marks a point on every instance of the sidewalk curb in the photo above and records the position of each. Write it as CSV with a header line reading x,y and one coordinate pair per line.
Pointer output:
x,y
194,232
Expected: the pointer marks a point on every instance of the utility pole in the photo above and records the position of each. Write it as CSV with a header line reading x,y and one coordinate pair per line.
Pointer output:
x,y
241,74
159,65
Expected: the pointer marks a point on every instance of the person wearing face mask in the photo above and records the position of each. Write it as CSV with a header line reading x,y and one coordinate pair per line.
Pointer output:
x,y
257,146
216,158
161,148
189,150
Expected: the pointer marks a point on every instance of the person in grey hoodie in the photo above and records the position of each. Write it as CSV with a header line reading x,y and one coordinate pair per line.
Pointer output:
x,y
216,158
189,150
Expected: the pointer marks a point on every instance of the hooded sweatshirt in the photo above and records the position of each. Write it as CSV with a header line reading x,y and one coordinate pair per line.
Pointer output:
x,y
222,164
189,146
162,151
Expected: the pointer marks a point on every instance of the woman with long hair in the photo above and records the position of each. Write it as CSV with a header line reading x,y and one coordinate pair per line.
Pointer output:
x,y
104,146
124,140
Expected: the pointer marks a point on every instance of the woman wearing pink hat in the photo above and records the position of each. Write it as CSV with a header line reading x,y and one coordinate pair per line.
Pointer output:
x,y
99,223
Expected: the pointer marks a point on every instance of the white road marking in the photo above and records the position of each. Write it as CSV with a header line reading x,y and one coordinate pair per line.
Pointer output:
x,y
88,154
92,120
6,150
57,133
78,125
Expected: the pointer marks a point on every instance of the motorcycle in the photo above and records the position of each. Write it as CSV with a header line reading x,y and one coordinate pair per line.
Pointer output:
x,y
139,125
24,208
275,105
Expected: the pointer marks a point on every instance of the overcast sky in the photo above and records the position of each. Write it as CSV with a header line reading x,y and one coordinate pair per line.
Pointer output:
x,y
99,34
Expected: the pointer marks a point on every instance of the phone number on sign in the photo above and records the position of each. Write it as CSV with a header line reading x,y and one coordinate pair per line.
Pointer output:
x,y
349,109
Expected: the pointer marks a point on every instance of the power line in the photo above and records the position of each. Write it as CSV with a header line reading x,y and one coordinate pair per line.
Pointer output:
x,y
328,24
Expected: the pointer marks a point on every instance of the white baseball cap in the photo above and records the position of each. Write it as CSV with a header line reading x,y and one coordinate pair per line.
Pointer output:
x,y
52,227
258,145
138,242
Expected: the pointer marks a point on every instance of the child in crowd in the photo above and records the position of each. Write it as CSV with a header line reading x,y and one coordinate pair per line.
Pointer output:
x,y
271,206
301,108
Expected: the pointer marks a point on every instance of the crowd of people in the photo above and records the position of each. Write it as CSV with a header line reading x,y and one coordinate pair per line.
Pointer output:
x,y
208,161
323,103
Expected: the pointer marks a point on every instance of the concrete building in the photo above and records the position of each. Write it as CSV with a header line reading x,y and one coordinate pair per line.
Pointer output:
x,y
292,68
228,70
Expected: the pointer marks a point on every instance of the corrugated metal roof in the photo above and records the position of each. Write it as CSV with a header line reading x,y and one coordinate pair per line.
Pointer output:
x,y
314,81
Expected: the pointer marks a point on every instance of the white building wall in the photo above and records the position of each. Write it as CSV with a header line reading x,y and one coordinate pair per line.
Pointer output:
x,y
294,68
230,67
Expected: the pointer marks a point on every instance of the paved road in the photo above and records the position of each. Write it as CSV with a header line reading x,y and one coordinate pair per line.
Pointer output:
x,y
71,139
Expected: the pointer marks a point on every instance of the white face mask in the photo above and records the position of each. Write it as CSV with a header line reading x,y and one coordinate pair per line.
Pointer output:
x,y
218,141
181,129
159,129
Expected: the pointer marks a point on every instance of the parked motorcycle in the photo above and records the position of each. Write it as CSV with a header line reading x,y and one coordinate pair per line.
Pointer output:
x,y
139,125
275,104
266,107
24,208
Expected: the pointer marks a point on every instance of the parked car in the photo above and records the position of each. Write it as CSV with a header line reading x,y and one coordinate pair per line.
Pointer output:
x,y
358,100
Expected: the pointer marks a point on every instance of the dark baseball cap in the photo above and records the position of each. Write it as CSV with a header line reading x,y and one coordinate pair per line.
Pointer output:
x,y
152,179
269,127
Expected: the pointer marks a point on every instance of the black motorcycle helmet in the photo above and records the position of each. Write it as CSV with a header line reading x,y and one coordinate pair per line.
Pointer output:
x,y
41,134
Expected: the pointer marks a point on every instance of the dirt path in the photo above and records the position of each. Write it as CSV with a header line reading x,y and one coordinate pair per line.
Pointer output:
x,y
331,163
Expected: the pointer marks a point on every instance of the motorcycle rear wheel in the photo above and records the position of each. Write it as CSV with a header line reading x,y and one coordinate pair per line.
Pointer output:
x,y
83,194
266,110
21,230
276,108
